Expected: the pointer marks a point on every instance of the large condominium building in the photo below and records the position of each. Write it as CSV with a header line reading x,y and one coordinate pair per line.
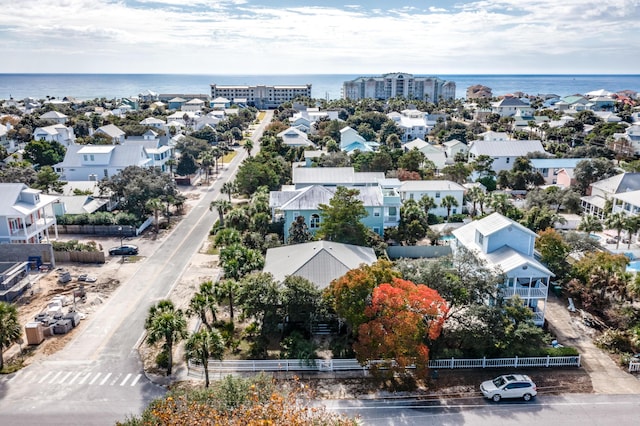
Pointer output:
x,y
399,85
261,96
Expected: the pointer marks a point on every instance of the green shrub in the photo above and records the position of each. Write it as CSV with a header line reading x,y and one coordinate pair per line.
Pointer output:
x,y
458,217
564,351
432,219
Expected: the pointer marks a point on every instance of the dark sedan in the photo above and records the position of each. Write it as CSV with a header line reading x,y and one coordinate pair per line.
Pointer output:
x,y
125,250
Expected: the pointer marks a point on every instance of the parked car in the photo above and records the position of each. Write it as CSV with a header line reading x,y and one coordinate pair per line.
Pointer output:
x,y
509,386
124,250
86,278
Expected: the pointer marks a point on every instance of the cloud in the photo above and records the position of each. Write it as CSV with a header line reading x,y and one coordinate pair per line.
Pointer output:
x,y
241,36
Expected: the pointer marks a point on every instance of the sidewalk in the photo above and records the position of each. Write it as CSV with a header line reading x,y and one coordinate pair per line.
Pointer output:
x,y
606,376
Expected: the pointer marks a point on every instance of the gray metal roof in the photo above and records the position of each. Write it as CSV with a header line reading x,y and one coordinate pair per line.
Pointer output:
x,y
319,261
506,148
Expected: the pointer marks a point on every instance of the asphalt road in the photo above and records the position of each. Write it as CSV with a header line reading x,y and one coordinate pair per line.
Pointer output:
x,y
97,379
569,410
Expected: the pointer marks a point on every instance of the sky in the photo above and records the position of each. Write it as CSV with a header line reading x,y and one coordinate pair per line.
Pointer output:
x,y
262,37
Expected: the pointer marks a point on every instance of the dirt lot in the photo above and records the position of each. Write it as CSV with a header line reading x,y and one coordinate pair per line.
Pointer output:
x,y
109,276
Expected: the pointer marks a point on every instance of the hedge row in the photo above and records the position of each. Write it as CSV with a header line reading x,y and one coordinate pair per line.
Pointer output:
x,y
99,218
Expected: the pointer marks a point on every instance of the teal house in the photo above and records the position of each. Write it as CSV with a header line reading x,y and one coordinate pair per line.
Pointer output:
x,y
315,186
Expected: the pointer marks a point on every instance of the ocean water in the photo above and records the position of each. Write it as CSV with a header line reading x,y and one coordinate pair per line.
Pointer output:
x,y
326,86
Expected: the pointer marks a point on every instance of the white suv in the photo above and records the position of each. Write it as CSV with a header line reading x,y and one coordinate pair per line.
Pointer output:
x,y
509,386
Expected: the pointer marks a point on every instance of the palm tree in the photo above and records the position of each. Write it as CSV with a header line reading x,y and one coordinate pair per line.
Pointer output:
x,y
590,223
202,345
156,206
616,221
248,146
221,207
226,291
202,302
427,203
448,202
631,225
475,195
10,331
171,162
207,160
165,323
228,188
500,203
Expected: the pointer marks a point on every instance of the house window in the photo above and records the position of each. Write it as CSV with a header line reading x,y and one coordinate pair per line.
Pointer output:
x,y
91,157
376,212
376,230
437,195
85,157
508,159
315,221
411,196
106,173
296,214
480,238
392,211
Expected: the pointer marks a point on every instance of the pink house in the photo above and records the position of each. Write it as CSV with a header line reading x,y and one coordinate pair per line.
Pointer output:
x,y
565,178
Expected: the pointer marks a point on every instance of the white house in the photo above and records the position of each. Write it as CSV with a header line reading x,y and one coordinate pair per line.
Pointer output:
x,y
55,133
293,137
194,105
606,189
412,123
431,153
95,162
436,189
153,122
503,152
26,215
454,147
510,106
113,132
55,116
507,247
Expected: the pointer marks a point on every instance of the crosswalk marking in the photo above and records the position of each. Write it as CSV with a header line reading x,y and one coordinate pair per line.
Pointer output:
x,y
136,380
55,377
115,380
75,377
105,379
84,378
95,378
44,377
125,379
64,379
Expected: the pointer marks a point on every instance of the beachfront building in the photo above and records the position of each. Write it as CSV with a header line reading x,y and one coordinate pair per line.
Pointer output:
x,y
261,96
402,85
95,162
55,133
507,247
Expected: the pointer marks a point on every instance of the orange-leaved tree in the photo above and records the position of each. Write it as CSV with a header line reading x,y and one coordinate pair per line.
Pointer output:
x,y
350,293
403,318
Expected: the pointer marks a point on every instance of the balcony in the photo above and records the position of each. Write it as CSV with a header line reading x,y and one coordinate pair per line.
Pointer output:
x,y
537,290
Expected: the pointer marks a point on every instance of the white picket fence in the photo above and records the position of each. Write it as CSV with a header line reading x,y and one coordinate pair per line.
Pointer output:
x,y
634,366
329,365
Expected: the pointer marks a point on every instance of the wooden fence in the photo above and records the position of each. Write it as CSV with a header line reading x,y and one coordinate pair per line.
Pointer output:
x,y
328,365
79,256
